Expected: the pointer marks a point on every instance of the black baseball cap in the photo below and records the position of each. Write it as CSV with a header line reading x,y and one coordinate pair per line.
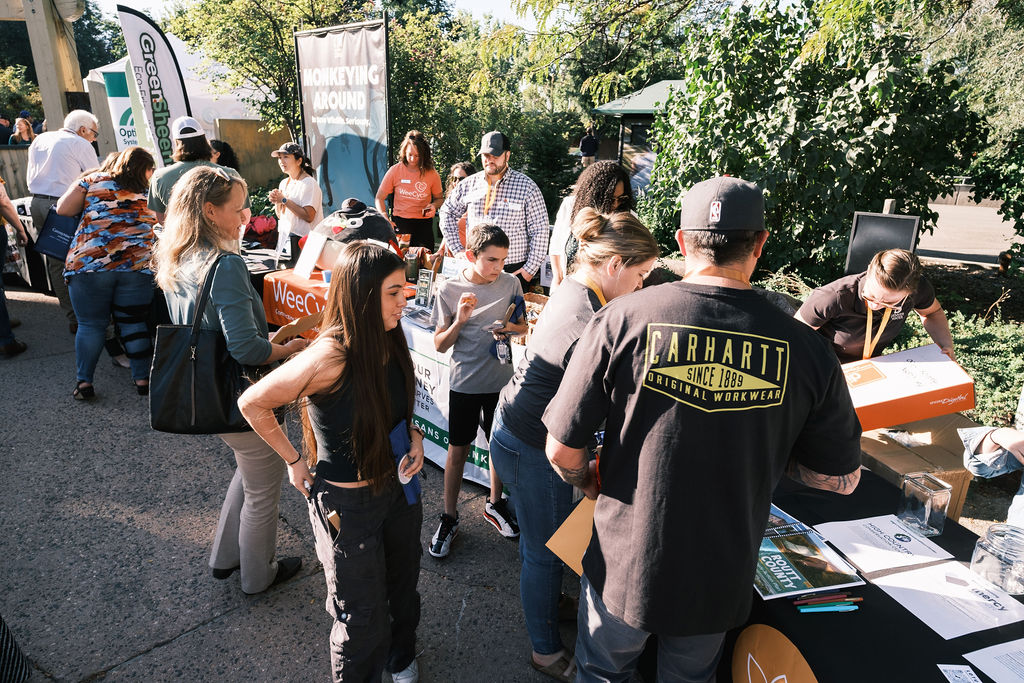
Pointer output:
x,y
723,204
290,148
493,143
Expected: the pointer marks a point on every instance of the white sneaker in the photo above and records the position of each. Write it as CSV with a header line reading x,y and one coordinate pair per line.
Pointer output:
x,y
409,674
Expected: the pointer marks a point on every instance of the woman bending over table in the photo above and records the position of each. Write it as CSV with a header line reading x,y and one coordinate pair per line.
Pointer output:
x,y
861,314
355,384
615,254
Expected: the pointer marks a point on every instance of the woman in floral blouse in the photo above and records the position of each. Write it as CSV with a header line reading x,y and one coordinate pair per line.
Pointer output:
x,y
107,266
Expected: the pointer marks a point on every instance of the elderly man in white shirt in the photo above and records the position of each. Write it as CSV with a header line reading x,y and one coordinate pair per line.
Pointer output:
x,y
55,160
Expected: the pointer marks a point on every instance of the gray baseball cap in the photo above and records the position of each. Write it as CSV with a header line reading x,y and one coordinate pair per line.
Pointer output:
x,y
723,204
493,143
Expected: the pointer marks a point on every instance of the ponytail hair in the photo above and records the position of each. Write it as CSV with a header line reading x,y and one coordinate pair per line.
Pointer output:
x,y
602,236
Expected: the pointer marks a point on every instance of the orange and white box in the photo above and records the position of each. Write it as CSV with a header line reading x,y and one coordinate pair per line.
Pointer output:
x,y
907,386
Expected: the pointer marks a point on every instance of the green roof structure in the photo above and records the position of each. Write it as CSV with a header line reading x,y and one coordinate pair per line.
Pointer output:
x,y
645,101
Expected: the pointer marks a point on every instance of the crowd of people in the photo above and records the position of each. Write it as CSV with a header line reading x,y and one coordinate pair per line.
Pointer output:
x,y
705,392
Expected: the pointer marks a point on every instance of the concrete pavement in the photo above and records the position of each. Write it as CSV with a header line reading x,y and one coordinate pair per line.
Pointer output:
x,y
967,234
105,530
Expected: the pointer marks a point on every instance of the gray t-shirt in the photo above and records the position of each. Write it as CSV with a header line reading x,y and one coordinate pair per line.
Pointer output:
x,y
162,182
474,369
524,399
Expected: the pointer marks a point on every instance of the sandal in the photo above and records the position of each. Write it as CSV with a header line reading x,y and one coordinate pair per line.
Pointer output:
x,y
84,392
562,669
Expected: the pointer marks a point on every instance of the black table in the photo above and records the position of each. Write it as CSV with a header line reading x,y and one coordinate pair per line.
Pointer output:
x,y
882,641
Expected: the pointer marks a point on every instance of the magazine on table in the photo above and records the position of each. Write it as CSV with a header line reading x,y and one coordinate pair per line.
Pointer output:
x,y
795,560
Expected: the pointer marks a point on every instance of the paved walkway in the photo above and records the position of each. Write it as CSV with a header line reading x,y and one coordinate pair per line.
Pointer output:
x,y
968,234
106,525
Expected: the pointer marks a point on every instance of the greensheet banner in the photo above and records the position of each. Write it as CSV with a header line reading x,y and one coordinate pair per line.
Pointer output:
x,y
343,84
120,102
158,78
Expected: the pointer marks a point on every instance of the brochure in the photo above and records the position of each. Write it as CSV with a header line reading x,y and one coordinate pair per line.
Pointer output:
x,y
795,560
952,600
425,289
883,542
1003,663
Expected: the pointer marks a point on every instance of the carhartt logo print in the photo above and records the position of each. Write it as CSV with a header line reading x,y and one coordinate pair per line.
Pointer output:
x,y
715,370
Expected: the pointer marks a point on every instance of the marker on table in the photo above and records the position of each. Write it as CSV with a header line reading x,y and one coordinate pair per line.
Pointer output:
x,y
832,608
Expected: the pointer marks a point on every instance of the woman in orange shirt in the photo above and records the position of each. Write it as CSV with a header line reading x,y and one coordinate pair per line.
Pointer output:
x,y
416,190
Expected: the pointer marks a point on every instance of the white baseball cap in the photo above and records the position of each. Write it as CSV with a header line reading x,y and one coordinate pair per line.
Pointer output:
x,y
183,122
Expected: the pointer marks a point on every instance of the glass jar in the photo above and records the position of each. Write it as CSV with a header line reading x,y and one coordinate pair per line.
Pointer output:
x,y
999,557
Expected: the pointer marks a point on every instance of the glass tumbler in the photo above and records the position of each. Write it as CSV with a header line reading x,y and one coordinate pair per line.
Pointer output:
x,y
924,500
999,557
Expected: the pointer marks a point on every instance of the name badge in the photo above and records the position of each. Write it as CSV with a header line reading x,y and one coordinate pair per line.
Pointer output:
x,y
514,206
476,197
405,181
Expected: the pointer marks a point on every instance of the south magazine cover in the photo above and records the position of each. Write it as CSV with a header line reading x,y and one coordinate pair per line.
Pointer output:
x,y
795,560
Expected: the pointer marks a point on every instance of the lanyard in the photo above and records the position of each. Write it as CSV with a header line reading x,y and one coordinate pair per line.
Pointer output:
x,y
718,271
595,288
492,194
869,343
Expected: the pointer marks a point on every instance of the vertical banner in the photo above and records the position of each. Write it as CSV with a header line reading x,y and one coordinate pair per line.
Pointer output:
x,y
158,78
120,103
141,130
342,73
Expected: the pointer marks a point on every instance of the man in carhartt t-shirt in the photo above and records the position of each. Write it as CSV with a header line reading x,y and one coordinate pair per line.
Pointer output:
x,y
709,394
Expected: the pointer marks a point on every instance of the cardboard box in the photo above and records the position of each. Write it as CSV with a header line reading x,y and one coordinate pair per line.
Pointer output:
x,y
931,445
907,386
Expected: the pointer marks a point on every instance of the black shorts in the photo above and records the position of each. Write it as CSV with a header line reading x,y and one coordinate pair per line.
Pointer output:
x,y
466,412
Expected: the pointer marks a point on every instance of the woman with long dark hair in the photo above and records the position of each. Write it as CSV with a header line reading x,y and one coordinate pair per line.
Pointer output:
x,y
416,187
206,207
108,265
223,154
356,387
603,186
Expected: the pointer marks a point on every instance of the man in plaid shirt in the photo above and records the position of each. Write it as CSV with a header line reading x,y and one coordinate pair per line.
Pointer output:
x,y
506,198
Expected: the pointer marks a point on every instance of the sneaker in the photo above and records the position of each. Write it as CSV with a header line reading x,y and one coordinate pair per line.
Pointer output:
x,y
501,517
411,673
441,543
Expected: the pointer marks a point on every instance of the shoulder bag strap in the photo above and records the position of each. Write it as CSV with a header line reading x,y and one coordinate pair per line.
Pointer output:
x,y
204,297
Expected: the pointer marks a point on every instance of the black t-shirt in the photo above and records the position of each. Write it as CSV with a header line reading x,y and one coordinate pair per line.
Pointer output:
x,y
707,392
588,146
841,316
524,399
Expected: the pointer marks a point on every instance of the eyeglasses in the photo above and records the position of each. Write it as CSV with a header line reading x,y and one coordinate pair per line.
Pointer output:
x,y
883,304
457,178
222,174
94,132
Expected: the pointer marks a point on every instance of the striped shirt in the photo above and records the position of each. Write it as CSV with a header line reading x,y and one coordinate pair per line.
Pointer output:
x,y
516,206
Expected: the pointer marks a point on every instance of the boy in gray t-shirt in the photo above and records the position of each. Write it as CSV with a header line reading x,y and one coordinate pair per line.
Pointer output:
x,y
468,319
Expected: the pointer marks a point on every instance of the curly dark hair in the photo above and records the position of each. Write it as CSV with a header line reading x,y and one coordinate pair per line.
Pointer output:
x,y
595,188
227,154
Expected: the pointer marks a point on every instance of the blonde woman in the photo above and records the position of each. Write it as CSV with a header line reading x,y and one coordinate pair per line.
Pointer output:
x,y
206,208
23,133
616,252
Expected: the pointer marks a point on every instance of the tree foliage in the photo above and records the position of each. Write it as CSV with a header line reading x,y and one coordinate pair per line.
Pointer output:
x,y
98,40
18,93
824,138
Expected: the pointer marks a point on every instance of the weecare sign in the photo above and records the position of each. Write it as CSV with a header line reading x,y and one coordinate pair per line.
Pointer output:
x,y
343,84
157,76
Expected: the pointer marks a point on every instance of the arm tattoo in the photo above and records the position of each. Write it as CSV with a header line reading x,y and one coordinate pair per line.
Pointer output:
x,y
842,483
575,476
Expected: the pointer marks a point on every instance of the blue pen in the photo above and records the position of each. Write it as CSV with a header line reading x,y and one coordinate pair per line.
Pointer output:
x,y
835,608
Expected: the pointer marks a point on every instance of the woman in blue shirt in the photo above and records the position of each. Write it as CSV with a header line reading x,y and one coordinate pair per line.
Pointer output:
x,y
203,217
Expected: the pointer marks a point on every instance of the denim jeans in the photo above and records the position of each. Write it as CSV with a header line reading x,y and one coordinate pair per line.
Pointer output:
x,y
6,336
607,648
542,501
372,564
989,465
96,296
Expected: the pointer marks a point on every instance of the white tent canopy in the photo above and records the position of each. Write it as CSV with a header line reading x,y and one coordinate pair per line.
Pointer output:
x,y
207,102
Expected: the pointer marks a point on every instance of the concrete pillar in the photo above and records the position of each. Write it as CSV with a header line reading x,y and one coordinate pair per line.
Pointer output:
x,y
55,58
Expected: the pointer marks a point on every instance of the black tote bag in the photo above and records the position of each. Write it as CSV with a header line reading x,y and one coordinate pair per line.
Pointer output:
x,y
194,383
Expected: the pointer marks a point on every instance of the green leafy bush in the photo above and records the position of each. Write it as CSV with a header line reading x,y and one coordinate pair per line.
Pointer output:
x,y
992,352
824,137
